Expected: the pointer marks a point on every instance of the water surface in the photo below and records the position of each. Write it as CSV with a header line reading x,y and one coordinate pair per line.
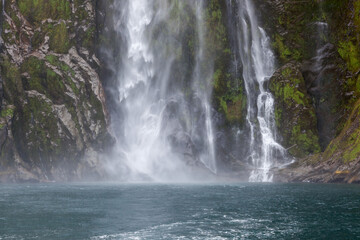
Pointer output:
x,y
159,211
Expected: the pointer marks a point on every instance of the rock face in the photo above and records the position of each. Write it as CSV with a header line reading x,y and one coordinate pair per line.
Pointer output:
x,y
340,162
53,123
318,42
294,113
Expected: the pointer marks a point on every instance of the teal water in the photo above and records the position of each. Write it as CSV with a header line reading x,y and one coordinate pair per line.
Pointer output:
x,y
150,211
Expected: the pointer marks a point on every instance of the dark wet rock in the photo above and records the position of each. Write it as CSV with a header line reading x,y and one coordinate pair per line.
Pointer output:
x,y
294,113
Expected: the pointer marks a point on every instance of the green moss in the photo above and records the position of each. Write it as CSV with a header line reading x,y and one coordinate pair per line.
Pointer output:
x,y
37,10
346,146
43,79
81,14
350,53
278,117
290,93
223,105
306,141
54,60
216,37
15,18
216,79
13,89
7,112
233,104
293,31
358,84
294,114
349,139
357,15
66,69
228,91
283,50
8,35
36,130
59,39
236,109
353,154
37,39
73,86
88,38
330,150
286,72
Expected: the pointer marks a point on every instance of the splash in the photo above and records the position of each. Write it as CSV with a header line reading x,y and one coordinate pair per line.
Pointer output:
x,y
162,121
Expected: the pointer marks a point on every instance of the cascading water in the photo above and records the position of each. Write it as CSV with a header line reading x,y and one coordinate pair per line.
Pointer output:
x,y
165,129
318,74
162,116
202,78
258,66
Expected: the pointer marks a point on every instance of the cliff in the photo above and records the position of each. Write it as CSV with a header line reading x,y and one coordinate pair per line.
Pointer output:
x,y
318,47
315,86
53,123
57,75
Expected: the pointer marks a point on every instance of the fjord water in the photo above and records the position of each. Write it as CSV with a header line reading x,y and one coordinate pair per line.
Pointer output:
x,y
212,211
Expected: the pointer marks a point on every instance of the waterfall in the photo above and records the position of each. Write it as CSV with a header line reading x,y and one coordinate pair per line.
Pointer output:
x,y
318,74
161,111
164,130
258,66
201,78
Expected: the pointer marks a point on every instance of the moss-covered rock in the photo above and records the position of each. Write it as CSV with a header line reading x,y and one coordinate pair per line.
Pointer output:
x,y
291,28
13,88
37,10
229,96
346,147
230,99
37,136
322,37
339,163
343,19
42,79
53,111
59,39
294,113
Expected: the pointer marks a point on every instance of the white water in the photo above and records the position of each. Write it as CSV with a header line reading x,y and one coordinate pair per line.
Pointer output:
x,y
155,117
258,66
322,28
200,77
163,122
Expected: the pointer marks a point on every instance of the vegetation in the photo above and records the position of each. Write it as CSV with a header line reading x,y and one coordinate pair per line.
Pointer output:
x,y
37,10
294,114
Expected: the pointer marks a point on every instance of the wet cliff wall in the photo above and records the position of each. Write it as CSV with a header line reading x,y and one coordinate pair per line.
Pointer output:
x,y
53,123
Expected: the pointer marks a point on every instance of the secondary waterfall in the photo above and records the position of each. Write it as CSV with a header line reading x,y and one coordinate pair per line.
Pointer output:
x,y
164,130
258,66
